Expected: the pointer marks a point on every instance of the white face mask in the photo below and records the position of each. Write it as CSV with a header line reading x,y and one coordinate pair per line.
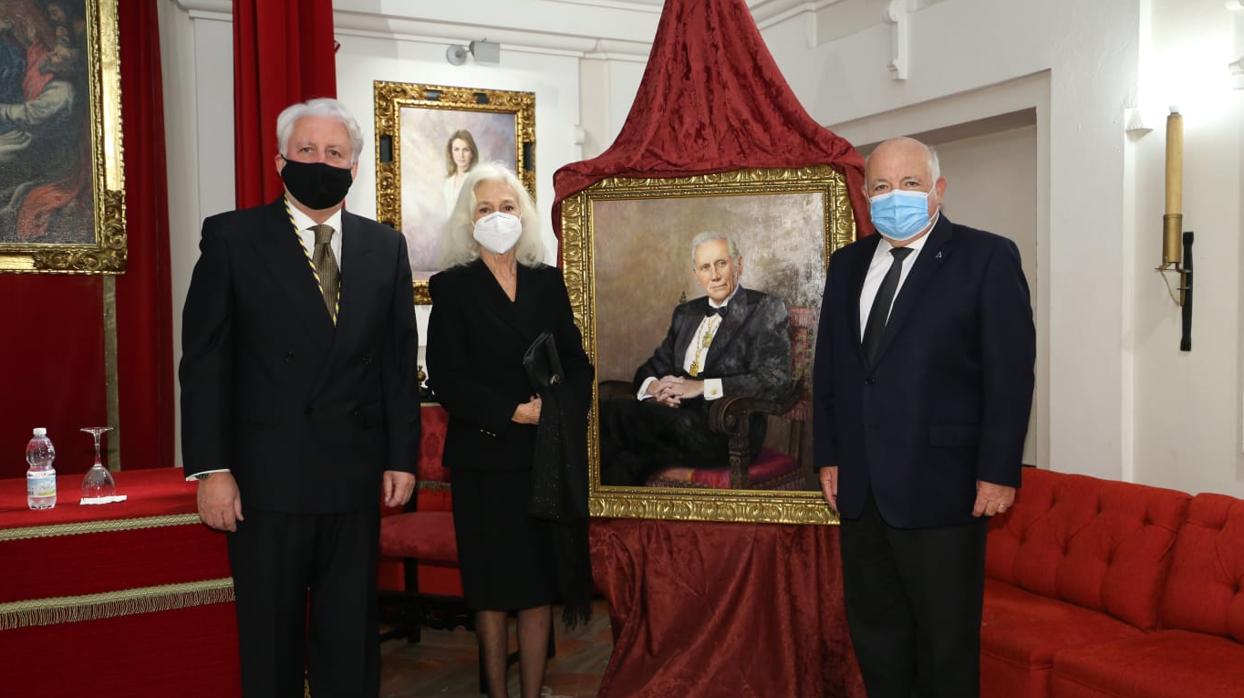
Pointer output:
x,y
498,231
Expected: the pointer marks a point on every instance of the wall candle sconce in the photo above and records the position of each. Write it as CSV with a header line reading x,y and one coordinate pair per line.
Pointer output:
x,y
1177,243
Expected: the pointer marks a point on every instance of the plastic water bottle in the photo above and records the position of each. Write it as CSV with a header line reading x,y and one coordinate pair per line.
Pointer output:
x,y
41,477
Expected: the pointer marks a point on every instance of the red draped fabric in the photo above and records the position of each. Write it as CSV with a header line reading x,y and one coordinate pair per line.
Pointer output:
x,y
719,609
53,351
282,53
711,100
144,292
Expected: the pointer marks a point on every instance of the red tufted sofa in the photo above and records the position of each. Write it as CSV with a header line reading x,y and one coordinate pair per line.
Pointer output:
x,y
1103,588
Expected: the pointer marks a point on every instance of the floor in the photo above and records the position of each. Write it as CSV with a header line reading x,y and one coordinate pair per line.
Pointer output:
x,y
444,662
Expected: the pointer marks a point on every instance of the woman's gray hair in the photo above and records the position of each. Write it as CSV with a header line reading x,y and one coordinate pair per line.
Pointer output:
x,y
708,236
458,240
321,106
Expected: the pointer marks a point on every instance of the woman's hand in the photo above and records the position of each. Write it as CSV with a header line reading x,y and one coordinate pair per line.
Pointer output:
x,y
528,412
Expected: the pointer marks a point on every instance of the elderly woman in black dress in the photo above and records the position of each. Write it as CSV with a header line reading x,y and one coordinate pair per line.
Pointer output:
x,y
495,297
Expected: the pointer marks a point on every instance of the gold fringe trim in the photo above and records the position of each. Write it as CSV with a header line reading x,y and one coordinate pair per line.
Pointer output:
x,y
107,526
114,604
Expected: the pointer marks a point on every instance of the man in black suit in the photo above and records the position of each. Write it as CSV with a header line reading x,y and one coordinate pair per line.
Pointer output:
x,y
732,341
300,409
923,383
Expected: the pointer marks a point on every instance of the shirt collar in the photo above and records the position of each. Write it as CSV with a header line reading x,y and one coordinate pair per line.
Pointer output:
x,y
303,221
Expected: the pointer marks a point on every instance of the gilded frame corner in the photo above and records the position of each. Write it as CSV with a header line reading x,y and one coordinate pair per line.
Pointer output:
x,y
107,253
578,268
391,97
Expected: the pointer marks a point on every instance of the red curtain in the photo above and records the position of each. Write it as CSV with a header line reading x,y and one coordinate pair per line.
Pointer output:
x,y
144,293
282,53
712,99
53,354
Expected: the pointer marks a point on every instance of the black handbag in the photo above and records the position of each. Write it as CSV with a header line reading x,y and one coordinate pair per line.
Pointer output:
x,y
543,365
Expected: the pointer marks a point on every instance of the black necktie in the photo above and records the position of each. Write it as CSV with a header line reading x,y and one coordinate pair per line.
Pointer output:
x,y
877,317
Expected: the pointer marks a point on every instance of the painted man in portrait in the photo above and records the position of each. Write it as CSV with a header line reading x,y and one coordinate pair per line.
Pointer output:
x,y
732,341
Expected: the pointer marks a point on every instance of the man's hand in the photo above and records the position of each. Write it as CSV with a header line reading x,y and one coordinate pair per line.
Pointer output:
x,y
528,412
829,485
992,499
398,487
672,390
220,503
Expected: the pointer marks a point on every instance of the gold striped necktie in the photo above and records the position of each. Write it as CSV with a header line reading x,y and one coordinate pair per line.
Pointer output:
x,y
326,270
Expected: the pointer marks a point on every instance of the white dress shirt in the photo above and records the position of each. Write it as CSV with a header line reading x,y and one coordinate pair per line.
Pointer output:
x,y
697,350
303,223
882,260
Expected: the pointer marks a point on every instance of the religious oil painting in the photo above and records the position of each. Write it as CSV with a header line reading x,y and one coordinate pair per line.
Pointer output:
x,y
698,299
62,206
428,139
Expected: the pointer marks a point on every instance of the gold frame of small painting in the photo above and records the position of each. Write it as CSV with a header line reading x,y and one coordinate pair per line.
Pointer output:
x,y
828,225
416,130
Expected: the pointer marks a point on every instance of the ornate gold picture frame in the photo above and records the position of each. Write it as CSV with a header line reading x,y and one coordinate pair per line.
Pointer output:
x,y
427,138
627,264
62,182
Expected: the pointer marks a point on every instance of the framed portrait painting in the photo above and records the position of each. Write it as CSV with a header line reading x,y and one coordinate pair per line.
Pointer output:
x,y
62,188
428,137
643,258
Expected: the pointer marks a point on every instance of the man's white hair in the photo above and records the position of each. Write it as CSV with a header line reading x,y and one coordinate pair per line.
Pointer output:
x,y
321,106
708,236
935,166
458,240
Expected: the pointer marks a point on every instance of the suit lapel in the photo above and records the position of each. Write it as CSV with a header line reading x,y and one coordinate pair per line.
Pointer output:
x,y
932,255
859,271
279,248
737,313
358,281
493,301
688,321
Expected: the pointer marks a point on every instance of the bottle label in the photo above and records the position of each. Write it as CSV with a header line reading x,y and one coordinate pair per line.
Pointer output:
x,y
41,484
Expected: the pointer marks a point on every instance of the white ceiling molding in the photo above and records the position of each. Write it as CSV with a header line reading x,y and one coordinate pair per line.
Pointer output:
x,y
379,26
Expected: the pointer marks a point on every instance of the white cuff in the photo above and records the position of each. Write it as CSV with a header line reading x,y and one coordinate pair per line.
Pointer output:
x,y
643,389
195,476
713,389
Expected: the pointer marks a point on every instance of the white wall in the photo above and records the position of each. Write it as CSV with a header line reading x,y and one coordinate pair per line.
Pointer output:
x,y
1188,405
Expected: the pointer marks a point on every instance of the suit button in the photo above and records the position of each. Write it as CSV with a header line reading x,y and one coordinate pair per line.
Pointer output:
x,y
367,360
309,411
870,380
289,356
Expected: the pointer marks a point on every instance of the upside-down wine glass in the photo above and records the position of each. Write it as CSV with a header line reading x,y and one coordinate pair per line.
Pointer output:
x,y
98,481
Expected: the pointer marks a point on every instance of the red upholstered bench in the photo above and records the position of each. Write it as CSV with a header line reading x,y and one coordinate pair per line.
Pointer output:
x,y
1198,651
1076,561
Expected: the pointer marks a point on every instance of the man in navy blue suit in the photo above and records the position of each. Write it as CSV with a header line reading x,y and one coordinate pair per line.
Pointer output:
x,y
923,385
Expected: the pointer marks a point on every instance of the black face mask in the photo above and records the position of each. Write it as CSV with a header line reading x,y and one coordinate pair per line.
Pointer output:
x,y
316,185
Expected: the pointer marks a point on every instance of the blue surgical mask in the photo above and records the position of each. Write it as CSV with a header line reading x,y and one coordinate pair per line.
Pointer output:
x,y
900,214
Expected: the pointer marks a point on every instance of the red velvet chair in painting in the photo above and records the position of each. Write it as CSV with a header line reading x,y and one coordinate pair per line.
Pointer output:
x,y
773,468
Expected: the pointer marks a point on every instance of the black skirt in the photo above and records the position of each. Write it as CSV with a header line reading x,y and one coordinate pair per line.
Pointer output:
x,y
506,556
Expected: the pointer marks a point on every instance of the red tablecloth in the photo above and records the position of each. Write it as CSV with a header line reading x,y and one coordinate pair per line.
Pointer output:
x,y
129,599
715,609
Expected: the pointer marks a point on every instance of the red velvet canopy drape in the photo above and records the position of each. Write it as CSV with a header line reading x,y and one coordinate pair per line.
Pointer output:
x,y
282,53
711,100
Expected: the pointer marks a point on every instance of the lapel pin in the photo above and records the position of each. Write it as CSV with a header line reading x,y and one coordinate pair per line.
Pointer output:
x,y
938,255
